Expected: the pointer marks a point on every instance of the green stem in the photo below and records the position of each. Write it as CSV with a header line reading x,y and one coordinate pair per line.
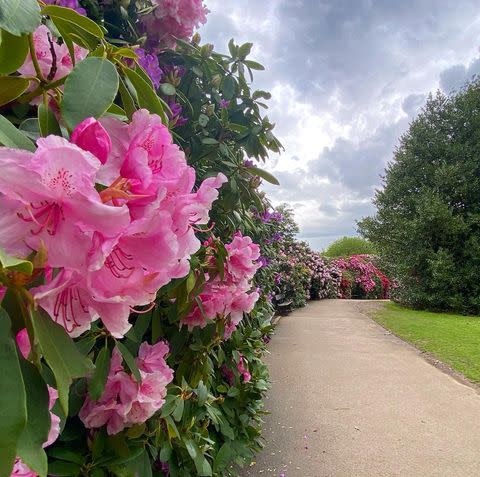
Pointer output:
x,y
34,58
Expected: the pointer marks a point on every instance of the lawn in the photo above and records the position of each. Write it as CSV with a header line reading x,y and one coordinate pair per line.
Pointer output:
x,y
453,339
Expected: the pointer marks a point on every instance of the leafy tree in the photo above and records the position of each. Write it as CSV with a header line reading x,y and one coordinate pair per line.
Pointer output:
x,y
427,222
347,246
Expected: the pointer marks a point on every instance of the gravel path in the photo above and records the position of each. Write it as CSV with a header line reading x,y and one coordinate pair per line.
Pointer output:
x,y
350,399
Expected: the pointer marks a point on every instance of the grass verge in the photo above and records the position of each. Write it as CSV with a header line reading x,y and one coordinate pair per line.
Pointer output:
x,y
453,339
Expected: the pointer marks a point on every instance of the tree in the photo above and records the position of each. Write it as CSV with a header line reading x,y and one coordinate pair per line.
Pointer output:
x,y
427,223
347,246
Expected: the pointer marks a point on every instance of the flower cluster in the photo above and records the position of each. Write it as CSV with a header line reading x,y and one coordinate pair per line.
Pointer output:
x,y
231,296
110,251
172,19
124,401
361,278
53,59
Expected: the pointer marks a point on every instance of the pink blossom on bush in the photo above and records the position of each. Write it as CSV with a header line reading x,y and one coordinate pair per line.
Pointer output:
x,y
112,250
91,136
231,297
53,66
173,19
124,401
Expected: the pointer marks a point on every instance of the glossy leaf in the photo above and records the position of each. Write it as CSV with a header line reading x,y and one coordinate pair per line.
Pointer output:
x,y
35,434
13,406
19,17
129,360
47,121
11,87
89,91
263,174
147,98
13,51
97,382
70,15
61,354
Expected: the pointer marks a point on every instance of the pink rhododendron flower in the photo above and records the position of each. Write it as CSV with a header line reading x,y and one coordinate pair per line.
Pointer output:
x,y
53,67
111,250
23,342
91,136
231,297
49,197
173,19
124,401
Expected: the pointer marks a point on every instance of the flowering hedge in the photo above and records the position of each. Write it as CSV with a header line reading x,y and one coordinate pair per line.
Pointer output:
x,y
128,244
361,278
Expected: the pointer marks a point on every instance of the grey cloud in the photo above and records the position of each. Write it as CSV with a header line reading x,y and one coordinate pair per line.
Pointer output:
x,y
412,103
456,76
359,166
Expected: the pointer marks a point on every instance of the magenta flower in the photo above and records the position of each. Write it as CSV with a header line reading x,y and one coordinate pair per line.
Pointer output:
x,y
224,104
91,136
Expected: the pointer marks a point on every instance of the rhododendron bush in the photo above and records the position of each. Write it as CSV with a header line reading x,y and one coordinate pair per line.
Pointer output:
x,y
361,278
133,320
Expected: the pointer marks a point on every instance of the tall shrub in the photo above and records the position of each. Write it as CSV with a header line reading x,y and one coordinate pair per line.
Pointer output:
x,y
426,226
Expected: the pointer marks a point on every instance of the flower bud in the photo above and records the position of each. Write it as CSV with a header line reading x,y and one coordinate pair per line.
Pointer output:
x,y
91,136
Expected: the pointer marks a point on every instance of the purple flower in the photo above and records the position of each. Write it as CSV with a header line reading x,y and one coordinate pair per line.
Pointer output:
x,y
264,261
278,279
174,73
150,64
224,104
73,4
248,163
176,118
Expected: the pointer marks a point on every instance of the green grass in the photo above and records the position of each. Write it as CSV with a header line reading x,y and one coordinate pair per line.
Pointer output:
x,y
453,339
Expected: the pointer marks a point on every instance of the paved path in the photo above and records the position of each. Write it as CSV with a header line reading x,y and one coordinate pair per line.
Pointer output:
x,y
349,399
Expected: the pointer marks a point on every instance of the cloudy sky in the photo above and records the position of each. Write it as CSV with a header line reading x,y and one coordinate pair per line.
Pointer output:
x,y
347,77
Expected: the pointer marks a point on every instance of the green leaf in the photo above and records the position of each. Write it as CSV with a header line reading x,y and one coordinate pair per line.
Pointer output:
x,y
245,50
11,87
61,354
179,407
254,65
63,469
10,136
232,48
67,455
13,406
169,406
13,51
127,100
130,361
13,263
96,385
29,446
223,458
89,91
168,89
203,120
263,174
70,15
19,16
47,121
228,87
201,464
202,393
147,98
209,141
